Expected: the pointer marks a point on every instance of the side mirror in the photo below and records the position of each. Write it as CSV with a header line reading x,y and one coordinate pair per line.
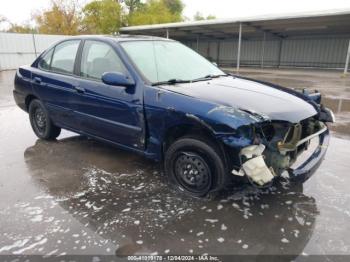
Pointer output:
x,y
215,64
117,79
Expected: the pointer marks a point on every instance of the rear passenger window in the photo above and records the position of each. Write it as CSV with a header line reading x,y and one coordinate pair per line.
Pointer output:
x,y
98,58
45,62
64,57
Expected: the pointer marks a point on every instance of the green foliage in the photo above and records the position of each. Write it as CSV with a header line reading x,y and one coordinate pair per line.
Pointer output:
x,y
175,6
155,12
102,17
211,17
199,16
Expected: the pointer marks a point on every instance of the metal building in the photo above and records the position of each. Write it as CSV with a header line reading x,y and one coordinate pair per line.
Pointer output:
x,y
315,40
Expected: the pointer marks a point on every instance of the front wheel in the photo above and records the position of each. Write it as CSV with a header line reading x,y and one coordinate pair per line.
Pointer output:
x,y
195,166
41,122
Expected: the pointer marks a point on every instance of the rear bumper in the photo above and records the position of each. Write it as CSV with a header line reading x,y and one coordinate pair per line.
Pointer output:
x,y
20,100
308,168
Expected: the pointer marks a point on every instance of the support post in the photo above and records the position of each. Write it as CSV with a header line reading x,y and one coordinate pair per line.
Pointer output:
x,y
279,54
197,43
263,50
167,33
239,47
347,60
218,53
34,45
340,105
208,49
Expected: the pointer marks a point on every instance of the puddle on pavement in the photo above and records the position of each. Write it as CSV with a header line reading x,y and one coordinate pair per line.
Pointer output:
x,y
327,82
89,195
338,105
341,108
127,201
288,82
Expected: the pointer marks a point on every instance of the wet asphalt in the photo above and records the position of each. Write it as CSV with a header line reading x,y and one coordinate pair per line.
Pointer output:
x,y
77,196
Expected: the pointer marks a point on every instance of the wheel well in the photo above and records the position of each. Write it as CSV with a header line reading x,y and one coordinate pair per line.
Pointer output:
x,y
29,99
177,132
194,131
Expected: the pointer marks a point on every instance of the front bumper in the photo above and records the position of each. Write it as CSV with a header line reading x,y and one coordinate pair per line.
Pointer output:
x,y
308,168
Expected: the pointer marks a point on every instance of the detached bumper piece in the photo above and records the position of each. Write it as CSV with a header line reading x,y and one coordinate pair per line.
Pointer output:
x,y
257,171
255,167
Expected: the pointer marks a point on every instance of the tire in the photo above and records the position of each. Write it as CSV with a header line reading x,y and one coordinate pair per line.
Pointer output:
x,y
41,122
195,166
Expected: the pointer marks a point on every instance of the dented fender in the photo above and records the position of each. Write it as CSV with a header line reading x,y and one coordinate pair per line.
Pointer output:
x,y
165,110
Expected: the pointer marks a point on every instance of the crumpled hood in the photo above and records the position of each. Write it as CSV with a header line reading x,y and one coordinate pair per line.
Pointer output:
x,y
250,96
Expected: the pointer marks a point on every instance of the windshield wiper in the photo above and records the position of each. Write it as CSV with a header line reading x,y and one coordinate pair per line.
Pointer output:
x,y
181,81
171,82
208,77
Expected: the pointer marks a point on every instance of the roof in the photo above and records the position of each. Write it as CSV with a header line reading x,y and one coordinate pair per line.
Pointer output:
x,y
120,37
311,23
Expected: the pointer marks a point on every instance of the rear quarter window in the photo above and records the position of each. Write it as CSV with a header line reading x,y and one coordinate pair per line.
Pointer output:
x,y
45,62
64,55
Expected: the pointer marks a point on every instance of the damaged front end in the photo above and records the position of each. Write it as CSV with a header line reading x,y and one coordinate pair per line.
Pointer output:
x,y
277,148
288,139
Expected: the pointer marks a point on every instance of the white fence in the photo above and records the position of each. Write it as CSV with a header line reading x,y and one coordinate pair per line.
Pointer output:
x,y
22,49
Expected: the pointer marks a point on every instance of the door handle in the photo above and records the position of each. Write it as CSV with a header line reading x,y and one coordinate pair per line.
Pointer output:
x,y
37,80
79,89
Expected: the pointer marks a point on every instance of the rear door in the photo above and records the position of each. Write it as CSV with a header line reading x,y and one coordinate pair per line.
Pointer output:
x,y
55,84
114,113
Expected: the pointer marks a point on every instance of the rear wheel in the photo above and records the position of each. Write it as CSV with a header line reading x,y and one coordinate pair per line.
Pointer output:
x,y
41,122
195,166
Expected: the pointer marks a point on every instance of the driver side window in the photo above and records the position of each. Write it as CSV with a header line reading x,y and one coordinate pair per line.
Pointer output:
x,y
98,58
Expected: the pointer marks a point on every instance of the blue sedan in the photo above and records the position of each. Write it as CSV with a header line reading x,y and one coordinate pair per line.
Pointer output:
x,y
158,98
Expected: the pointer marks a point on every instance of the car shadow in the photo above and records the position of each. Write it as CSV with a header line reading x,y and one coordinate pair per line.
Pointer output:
x,y
126,199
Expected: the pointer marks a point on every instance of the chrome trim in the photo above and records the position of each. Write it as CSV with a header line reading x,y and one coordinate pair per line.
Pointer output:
x,y
304,140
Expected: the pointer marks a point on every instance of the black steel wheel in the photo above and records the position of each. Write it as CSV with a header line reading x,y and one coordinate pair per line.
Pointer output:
x,y
39,119
41,122
192,172
195,166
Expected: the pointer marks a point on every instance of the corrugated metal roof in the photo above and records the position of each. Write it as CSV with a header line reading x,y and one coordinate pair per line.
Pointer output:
x,y
332,21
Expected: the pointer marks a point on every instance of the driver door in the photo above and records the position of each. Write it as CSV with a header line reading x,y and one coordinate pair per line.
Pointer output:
x,y
113,113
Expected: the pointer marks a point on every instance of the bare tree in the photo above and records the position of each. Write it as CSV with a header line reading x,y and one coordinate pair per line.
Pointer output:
x,y
131,5
3,19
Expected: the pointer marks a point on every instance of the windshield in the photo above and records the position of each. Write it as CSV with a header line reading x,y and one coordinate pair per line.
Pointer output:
x,y
161,61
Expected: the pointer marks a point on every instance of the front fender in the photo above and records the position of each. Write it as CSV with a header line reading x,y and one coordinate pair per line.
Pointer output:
x,y
166,109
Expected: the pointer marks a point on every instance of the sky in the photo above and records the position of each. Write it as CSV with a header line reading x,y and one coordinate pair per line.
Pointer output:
x,y
19,11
